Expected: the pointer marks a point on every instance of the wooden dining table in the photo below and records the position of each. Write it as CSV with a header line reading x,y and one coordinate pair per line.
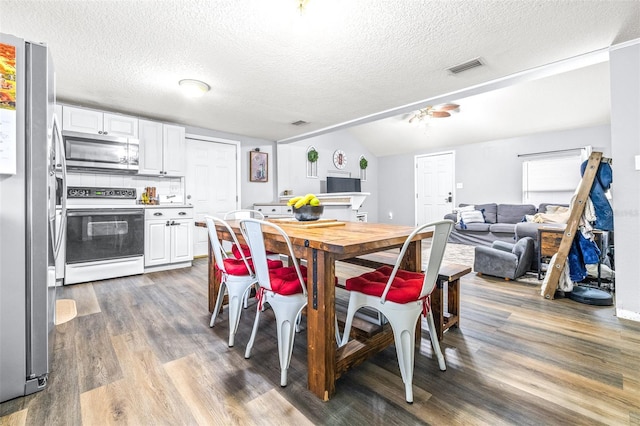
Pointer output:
x,y
321,247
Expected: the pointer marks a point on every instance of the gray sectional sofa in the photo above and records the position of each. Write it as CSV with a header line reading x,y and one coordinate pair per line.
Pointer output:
x,y
503,222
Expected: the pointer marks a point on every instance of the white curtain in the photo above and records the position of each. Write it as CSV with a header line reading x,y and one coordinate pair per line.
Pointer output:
x,y
552,178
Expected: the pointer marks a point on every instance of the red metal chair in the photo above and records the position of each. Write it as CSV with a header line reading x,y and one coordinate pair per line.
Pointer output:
x,y
236,276
401,296
283,289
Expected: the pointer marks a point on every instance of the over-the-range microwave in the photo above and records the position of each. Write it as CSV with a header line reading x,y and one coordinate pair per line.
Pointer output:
x,y
100,153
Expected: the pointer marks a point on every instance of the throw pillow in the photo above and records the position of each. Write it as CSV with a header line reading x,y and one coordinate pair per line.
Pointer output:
x,y
474,216
459,211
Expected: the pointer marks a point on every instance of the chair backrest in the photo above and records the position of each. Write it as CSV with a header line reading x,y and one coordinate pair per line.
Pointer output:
x,y
218,251
441,232
243,214
524,250
252,232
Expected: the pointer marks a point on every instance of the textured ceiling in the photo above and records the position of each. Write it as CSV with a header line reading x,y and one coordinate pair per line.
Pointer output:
x,y
268,66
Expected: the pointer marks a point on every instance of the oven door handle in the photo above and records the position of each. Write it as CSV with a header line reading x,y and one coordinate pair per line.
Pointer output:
x,y
98,212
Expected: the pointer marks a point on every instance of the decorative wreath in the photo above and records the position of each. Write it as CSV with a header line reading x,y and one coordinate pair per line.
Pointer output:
x,y
363,163
312,156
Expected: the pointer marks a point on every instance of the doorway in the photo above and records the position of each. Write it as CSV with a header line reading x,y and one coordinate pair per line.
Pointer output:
x,y
212,182
434,186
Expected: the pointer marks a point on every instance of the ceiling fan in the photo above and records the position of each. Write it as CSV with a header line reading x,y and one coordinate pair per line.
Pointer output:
x,y
438,111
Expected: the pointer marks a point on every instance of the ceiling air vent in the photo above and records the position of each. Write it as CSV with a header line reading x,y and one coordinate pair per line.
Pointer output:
x,y
300,123
477,62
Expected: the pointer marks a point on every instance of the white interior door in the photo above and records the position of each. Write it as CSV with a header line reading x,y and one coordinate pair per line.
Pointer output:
x,y
434,186
212,182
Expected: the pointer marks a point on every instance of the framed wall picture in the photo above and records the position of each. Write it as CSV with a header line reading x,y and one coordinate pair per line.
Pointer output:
x,y
258,171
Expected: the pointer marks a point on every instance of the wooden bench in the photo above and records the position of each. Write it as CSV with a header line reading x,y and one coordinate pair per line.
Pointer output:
x,y
450,274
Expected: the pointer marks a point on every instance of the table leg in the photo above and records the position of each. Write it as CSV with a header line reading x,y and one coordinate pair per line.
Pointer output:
x,y
436,307
321,345
453,302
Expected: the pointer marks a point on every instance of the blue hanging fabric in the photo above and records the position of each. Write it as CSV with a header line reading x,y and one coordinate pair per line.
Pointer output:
x,y
583,252
601,183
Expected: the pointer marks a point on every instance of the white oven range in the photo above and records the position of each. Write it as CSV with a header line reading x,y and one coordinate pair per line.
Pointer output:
x,y
104,234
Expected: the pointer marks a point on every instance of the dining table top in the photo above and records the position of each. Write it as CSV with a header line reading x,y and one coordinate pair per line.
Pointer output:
x,y
348,238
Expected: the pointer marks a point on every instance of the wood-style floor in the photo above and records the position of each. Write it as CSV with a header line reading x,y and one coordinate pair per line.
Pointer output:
x,y
141,352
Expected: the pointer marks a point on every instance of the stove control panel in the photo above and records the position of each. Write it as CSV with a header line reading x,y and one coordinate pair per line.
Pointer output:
x,y
92,192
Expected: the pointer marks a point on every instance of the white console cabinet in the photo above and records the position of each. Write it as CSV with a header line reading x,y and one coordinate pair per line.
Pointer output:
x,y
274,210
340,205
168,238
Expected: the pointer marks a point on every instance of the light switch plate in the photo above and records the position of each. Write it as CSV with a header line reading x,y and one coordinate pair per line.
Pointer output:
x,y
459,185
637,162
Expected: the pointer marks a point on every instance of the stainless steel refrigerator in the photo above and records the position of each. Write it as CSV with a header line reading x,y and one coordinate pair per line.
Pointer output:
x,y
27,216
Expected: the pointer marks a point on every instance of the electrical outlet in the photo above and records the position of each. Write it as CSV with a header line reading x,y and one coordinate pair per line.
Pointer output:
x,y
390,215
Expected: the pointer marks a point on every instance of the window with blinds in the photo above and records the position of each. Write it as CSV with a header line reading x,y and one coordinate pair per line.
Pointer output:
x,y
552,179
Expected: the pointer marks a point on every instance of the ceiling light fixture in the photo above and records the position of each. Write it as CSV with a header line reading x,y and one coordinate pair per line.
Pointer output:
x,y
438,111
194,88
301,5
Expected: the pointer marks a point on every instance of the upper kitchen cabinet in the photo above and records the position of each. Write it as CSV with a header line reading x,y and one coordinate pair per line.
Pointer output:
x,y
162,149
103,123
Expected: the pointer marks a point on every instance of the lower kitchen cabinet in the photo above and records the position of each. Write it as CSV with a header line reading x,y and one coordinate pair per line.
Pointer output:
x,y
168,238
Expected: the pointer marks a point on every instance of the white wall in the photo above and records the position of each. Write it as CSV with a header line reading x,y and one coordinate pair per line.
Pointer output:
x,y
625,144
292,159
490,172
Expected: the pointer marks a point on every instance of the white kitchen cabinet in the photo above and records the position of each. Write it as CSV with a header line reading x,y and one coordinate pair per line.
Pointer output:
x,y
168,238
162,149
94,121
274,210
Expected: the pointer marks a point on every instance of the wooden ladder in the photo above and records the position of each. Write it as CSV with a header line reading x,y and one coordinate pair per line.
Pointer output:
x,y
572,224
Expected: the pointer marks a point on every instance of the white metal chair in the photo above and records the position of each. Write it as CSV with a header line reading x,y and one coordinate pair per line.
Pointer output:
x,y
401,296
284,289
237,249
237,277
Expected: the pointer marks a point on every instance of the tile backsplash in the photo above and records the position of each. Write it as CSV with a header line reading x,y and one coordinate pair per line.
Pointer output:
x,y
164,186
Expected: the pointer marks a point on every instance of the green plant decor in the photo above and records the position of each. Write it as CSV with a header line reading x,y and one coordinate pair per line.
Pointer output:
x,y
363,163
312,156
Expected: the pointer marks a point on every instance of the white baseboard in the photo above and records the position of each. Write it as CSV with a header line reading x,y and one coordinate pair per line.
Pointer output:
x,y
633,316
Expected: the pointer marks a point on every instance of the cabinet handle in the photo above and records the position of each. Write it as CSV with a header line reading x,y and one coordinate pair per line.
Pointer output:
x,y
99,132
167,224
182,213
106,133
157,214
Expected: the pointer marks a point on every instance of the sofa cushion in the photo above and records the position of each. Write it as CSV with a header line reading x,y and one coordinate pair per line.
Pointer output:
x,y
478,227
490,212
514,213
507,228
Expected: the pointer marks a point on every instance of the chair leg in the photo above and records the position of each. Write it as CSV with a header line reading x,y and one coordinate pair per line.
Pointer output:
x,y
218,304
246,299
355,303
247,352
287,313
404,335
235,309
433,334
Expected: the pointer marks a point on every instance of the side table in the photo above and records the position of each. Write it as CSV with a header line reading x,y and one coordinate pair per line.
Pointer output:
x,y
549,240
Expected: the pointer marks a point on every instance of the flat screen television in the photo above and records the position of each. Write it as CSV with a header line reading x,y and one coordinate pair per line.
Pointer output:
x,y
339,184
